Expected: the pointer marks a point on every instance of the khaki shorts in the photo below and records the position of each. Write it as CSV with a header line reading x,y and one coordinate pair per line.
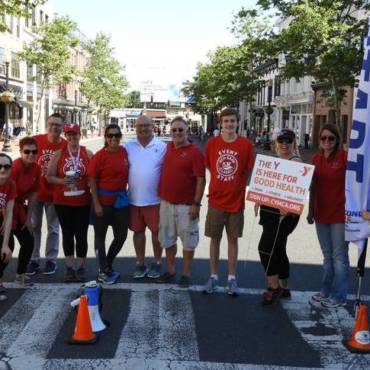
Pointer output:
x,y
216,220
174,222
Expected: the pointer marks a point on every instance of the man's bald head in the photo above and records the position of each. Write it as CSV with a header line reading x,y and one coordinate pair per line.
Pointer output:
x,y
144,129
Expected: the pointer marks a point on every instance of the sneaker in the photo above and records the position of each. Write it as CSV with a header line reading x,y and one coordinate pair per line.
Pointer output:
x,y
49,268
286,294
211,286
331,303
166,278
232,288
154,271
33,268
184,281
271,296
80,275
70,275
23,281
108,278
319,297
140,271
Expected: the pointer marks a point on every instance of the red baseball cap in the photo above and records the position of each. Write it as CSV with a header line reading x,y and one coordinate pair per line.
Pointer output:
x,y
71,127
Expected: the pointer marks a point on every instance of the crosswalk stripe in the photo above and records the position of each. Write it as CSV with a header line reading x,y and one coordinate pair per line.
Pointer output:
x,y
38,335
14,321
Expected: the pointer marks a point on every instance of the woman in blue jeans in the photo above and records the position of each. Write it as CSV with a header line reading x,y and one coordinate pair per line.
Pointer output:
x,y
327,201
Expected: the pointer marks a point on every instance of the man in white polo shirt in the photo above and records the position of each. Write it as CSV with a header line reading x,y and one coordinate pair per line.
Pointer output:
x,y
145,155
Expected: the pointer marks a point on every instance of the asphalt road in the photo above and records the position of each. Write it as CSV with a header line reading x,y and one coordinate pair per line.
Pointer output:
x,y
164,327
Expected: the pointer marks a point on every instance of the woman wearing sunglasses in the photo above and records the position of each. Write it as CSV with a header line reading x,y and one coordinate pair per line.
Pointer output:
x,y
26,175
7,196
108,176
277,226
71,197
327,201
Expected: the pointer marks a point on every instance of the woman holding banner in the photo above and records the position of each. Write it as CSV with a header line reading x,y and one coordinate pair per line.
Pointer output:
x,y
277,226
327,201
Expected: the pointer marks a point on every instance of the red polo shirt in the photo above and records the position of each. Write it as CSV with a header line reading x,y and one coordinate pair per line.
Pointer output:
x,y
329,182
181,167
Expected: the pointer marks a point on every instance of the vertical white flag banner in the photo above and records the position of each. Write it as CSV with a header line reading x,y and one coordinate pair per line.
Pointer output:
x,y
358,165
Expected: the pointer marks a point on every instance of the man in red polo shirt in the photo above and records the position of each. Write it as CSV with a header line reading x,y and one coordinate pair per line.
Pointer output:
x,y
47,145
229,158
181,190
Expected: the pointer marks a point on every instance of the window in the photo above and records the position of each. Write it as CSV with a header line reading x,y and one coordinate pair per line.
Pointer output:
x,y
33,15
29,72
41,17
277,86
11,24
15,70
27,21
18,30
46,18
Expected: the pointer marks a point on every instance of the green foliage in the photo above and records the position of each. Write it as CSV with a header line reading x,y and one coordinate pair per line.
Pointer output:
x,y
17,8
133,100
103,82
50,51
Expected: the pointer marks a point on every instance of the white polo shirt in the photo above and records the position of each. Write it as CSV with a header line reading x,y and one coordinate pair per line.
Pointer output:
x,y
145,171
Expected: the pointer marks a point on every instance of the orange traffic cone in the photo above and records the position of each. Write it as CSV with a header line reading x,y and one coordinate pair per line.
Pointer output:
x,y
83,332
360,339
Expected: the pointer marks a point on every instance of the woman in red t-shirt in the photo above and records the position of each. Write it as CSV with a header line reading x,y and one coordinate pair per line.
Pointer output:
x,y
108,175
327,201
26,175
71,198
7,196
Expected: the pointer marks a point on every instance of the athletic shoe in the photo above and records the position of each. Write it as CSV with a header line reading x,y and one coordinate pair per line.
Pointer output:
x,y
33,268
140,272
23,281
154,271
49,268
80,275
318,298
286,294
70,275
211,286
331,303
108,278
184,281
166,278
232,288
271,296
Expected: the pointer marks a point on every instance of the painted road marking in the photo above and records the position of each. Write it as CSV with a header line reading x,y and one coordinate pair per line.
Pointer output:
x,y
161,337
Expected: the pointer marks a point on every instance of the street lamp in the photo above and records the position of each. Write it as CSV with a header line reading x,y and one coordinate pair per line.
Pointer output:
x,y
268,111
6,147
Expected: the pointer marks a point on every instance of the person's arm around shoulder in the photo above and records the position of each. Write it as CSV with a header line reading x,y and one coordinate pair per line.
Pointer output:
x,y
51,175
6,252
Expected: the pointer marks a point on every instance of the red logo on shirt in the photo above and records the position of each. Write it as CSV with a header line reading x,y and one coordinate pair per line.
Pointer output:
x,y
44,160
226,165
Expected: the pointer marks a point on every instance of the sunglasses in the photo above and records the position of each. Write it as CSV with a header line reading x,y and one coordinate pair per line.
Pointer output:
x,y
29,151
180,129
6,167
284,141
328,138
111,136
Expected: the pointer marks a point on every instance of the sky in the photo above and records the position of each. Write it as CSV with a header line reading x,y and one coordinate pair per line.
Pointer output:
x,y
156,40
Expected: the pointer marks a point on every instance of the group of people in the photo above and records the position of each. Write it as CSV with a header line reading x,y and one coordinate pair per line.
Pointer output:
x,y
150,184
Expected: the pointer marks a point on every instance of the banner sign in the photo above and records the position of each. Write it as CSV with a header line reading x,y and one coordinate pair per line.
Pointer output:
x,y
280,183
358,164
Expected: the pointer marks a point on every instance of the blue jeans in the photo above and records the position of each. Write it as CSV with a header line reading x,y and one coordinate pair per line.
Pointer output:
x,y
336,262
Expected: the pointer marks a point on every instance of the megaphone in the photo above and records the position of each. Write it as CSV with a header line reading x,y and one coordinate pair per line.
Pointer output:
x,y
93,292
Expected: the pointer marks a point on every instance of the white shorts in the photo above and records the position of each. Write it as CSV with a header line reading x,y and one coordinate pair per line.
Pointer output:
x,y
174,222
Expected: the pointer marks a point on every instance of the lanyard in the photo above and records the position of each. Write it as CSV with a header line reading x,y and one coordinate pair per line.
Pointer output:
x,y
75,160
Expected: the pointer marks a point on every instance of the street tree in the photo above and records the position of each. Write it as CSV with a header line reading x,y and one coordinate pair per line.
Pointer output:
x,y
133,99
50,52
324,40
103,82
17,8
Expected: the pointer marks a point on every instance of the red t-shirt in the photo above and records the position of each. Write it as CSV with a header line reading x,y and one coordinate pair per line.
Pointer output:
x,y
229,164
181,167
46,149
65,164
26,179
329,181
8,192
110,170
